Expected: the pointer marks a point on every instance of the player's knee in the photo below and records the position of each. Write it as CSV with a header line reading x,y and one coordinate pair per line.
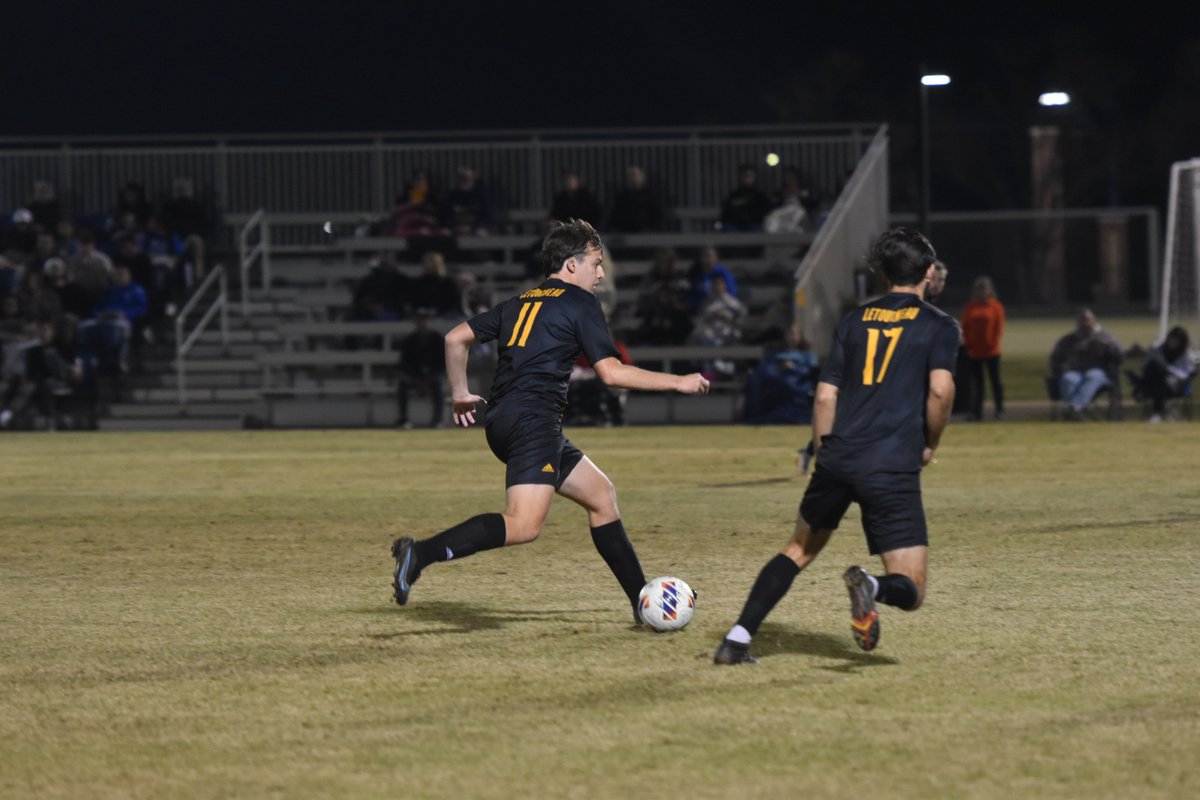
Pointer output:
x,y
900,591
521,531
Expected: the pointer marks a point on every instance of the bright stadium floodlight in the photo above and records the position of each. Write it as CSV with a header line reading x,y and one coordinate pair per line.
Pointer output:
x,y
927,80
1054,99
772,159
935,80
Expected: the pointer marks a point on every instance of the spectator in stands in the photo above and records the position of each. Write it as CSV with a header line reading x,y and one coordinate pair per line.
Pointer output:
x,y
44,249
12,323
1167,372
123,310
982,330
574,201
663,305
788,214
20,238
44,205
183,215
153,275
72,300
635,207
468,209
705,270
781,388
719,324
747,205
417,211
419,192
1083,363
90,270
10,277
589,400
423,368
131,199
35,376
434,289
380,294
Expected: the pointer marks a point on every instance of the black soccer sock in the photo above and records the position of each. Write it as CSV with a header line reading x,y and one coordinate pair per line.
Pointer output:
x,y
897,590
483,532
769,588
617,551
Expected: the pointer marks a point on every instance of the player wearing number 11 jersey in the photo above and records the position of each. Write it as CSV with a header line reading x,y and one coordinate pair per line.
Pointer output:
x,y
539,335
882,402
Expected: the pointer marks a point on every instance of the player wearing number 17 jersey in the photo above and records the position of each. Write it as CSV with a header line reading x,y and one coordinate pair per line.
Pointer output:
x,y
539,335
883,400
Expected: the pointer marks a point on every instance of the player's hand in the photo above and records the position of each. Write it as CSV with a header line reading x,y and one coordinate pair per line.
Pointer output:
x,y
464,409
927,457
694,384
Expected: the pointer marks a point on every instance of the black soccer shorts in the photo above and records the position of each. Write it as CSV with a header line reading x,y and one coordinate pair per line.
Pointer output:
x,y
892,514
533,448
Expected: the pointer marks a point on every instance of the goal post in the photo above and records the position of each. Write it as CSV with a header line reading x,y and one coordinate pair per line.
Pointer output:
x,y
1181,254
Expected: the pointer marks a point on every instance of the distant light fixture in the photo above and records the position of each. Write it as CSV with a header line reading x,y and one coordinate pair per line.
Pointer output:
x,y
935,80
327,228
1054,99
772,159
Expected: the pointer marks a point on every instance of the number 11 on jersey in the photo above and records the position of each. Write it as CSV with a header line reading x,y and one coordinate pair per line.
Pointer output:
x,y
893,336
527,309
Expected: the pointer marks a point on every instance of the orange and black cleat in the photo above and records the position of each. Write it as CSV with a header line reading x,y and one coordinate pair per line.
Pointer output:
x,y
864,619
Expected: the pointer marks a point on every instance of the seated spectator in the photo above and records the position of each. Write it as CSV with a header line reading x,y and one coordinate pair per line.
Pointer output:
x,y
35,377
416,213
20,238
635,207
153,275
90,269
789,214
707,268
380,294
468,210
574,201
73,301
183,215
122,314
422,367
44,205
13,328
1083,363
131,199
745,208
1167,372
434,289
44,249
781,388
589,400
719,324
662,304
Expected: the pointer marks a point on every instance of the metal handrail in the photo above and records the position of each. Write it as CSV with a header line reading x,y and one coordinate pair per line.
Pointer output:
x,y
248,254
184,345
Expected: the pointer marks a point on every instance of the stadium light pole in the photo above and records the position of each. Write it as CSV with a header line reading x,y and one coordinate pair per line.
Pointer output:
x,y
927,80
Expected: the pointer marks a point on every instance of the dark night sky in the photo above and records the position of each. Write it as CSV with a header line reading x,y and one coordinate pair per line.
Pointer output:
x,y
167,67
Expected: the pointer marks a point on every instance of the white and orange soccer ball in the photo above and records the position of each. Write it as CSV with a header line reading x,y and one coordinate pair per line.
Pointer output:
x,y
666,604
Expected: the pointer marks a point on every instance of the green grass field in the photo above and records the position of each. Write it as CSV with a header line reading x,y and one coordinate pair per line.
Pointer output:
x,y
208,616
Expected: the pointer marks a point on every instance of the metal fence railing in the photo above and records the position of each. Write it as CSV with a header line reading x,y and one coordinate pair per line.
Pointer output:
x,y
185,340
688,167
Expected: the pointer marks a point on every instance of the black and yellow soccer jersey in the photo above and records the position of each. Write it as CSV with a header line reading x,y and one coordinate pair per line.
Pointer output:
x,y
540,334
881,358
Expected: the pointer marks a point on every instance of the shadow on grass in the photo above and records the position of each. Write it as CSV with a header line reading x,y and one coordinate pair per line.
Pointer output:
x,y
469,618
777,640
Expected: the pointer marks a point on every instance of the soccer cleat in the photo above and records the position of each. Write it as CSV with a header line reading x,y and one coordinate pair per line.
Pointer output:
x,y
864,619
406,574
730,652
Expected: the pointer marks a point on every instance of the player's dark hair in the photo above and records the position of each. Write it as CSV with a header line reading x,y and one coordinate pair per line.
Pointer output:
x,y
570,239
902,256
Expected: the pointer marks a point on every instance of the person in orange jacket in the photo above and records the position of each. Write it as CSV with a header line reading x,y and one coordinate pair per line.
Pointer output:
x,y
982,330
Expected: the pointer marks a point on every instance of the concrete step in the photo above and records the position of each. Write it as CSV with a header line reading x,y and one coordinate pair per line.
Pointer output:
x,y
196,394
173,424
171,411
197,380
193,366
240,336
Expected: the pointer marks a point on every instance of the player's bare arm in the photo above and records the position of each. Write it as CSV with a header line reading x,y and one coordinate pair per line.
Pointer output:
x,y
937,409
458,346
824,411
627,376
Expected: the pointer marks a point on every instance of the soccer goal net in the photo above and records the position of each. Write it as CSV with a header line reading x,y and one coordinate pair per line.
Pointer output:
x,y
1181,255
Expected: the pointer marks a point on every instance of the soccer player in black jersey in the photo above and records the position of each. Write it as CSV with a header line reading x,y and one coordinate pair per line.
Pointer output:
x,y
539,334
882,403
